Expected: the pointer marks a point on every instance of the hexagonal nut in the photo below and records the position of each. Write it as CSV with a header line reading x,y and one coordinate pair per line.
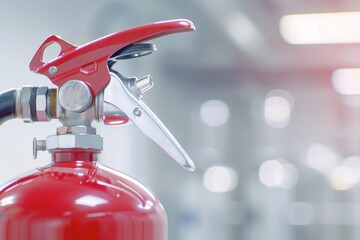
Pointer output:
x,y
25,108
41,104
84,141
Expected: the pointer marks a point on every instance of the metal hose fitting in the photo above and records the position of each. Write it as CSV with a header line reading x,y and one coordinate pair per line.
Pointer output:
x,y
36,104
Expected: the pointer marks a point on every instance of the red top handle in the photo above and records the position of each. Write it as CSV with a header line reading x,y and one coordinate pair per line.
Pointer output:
x,y
37,61
88,63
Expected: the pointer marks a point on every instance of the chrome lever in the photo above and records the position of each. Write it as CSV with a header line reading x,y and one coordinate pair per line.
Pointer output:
x,y
117,94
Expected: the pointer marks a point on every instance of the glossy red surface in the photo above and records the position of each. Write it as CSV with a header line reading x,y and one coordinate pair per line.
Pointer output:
x,y
88,63
77,198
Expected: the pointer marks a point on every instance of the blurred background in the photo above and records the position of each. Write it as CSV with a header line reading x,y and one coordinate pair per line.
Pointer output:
x,y
266,102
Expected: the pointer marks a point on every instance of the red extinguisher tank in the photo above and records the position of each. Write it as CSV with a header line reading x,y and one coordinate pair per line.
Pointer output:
x,y
75,197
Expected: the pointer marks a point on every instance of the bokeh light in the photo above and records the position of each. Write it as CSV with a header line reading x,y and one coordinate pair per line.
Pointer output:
x,y
214,113
346,81
343,178
321,158
220,179
277,108
346,175
274,173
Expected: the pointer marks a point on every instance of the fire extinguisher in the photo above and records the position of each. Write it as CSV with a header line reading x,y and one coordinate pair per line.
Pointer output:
x,y
75,197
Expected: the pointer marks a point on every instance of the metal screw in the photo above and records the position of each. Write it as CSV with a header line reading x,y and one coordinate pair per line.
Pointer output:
x,y
137,112
53,70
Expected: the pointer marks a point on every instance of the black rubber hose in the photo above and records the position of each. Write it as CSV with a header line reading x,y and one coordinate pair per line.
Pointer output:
x,y
7,105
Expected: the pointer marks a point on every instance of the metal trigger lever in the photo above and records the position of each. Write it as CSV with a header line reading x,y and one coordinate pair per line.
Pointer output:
x,y
119,95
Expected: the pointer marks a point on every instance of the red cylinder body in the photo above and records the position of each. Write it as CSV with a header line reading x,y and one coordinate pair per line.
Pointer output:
x,y
76,198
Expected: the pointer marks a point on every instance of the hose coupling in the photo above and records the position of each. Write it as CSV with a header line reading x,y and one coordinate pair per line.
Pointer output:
x,y
36,104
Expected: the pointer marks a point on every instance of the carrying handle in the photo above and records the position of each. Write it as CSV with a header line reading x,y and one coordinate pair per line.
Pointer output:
x,y
89,63
38,59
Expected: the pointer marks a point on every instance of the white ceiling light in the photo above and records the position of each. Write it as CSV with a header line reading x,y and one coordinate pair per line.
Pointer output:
x,y
321,28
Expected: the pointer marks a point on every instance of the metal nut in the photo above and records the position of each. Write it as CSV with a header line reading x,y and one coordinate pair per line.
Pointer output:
x,y
41,104
25,97
84,141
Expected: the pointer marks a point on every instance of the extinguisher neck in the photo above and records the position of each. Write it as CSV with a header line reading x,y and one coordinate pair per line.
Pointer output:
x,y
78,156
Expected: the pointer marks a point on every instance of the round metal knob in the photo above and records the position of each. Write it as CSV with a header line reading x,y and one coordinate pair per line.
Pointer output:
x,y
38,145
75,96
